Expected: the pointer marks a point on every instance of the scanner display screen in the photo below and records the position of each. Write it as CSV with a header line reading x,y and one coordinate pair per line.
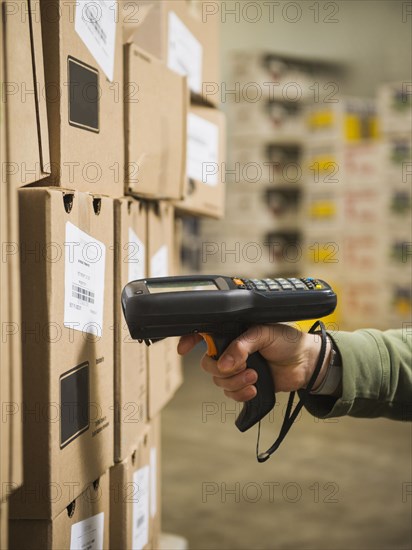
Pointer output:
x,y
184,286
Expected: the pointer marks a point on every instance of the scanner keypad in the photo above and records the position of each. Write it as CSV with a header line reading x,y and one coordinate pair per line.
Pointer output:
x,y
279,285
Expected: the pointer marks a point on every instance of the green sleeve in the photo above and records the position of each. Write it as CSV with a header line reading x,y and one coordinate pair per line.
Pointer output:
x,y
376,376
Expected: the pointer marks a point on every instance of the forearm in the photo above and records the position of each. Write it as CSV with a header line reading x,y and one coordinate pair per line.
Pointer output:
x,y
376,377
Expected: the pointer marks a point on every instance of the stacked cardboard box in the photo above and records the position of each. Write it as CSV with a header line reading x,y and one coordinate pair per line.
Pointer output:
x,y
135,494
88,201
395,111
66,261
184,35
19,121
343,204
262,231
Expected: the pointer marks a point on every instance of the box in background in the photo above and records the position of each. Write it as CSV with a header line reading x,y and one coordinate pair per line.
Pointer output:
x,y
395,107
206,150
266,117
130,380
363,304
67,334
326,164
363,253
322,253
344,120
135,494
83,523
396,151
281,76
164,364
186,40
23,94
398,204
398,300
324,208
272,162
156,102
84,88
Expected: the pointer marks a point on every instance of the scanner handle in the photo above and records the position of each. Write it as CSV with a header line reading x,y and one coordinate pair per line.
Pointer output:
x,y
264,401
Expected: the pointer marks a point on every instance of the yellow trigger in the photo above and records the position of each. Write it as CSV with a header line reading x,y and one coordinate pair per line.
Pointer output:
x,y
211,346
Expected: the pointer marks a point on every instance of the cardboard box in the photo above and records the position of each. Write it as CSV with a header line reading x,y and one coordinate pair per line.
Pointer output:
x,y
83,523
4,525
264,117
179,35
11,454
67,334
164,364
398,202
322,252
324,209
23,94
394,107
277,76
156,102
347,120
271,162
398,300
130,380
363,304
363,253
326,164
396,150
84,89
206,150
135,503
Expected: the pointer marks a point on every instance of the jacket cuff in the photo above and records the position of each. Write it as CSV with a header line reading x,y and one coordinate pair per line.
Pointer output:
x,y
363,384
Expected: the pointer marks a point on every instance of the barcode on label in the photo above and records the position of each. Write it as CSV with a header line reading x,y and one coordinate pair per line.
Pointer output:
x,y
83,294
140,521
91,18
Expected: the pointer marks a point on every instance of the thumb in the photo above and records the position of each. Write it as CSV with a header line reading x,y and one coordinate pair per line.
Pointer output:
x,y
236,354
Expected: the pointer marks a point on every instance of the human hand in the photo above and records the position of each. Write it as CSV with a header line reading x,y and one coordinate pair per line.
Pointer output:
x,y
290,354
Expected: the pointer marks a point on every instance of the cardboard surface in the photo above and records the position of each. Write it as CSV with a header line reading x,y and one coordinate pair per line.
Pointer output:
x,y
67,363
164,366
205,187
28,141
4,527
156,103
83,524
85,108
130,386
181,36
11,459
135,494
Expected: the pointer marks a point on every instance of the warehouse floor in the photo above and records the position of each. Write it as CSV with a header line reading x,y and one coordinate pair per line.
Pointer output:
x,y
333,485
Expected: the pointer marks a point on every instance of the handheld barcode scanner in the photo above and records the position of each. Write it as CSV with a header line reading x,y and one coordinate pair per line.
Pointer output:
x,y
220,309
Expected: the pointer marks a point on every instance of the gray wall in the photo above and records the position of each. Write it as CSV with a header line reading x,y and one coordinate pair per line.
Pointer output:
x,y
373,37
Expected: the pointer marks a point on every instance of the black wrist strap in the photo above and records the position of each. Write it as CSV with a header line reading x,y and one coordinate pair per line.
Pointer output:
x,y
290,416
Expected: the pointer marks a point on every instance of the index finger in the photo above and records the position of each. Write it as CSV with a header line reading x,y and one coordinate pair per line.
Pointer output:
x,y
187,343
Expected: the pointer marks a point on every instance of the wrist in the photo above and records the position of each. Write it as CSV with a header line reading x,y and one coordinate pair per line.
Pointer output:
x,y
313,356
330,383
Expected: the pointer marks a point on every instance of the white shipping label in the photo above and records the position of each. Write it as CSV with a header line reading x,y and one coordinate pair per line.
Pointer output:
x,y
140,530
95,23
88,534
136,257
153,481
202,150
184,53
159,264
84,271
